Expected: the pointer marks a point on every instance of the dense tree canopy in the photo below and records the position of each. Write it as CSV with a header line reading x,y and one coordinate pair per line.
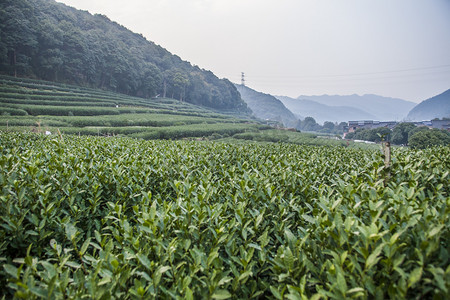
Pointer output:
x,y
48,40
400,133
308,124
425,138
374,135
418,137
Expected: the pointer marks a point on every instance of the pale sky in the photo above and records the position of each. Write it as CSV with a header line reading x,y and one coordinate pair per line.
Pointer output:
x,y
395,48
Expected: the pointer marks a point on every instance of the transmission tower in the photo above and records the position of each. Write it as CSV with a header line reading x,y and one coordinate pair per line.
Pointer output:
x,y
243,78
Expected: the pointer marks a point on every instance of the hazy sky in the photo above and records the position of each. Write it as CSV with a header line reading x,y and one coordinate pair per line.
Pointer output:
x,y
396,48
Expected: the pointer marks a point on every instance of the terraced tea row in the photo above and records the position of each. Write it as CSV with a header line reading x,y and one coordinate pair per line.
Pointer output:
x,y
20,93
40,106
27,104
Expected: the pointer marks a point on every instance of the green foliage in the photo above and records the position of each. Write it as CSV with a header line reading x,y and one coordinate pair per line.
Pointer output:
x,y
372,135
8,111
50,41
286,136
51,110
417,129
328,127
401,133
428,138
84,111
309,124
120,218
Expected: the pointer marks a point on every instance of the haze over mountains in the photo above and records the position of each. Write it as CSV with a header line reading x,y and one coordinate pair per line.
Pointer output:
x,y
338,108
267,107
435,107
321,112
43,39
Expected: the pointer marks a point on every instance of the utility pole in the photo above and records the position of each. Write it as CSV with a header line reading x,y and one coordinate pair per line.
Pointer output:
x,y
242,78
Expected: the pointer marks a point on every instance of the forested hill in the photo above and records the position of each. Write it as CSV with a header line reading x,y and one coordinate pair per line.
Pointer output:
x,y
266,106
47,40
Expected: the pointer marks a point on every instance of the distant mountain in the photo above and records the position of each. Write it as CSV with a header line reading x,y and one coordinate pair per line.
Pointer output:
x,y
381,108
435,107
43,39
321,112
265,106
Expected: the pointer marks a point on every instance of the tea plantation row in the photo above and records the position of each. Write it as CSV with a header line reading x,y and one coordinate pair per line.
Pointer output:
x,y
105,218
41,106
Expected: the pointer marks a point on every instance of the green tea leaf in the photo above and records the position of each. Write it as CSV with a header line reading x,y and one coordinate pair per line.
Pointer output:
x,y
276,293
221,294
85,246
11,270
374,257
144,260
414,276
71,231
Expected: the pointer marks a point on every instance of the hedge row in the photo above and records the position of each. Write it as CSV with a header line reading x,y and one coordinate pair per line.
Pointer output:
x,y
64,110
12,111
57,103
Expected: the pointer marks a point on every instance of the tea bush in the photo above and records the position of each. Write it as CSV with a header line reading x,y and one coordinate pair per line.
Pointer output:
x,y
108,218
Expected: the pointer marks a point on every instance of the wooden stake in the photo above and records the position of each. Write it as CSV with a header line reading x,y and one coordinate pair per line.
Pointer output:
x,y
60,135
39,126
387,162
387,154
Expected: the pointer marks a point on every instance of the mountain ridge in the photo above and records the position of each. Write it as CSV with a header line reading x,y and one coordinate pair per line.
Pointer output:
x,y
321,112
266,106
382,108
431,108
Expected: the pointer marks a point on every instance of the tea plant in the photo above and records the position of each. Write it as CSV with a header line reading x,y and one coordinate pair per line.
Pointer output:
x,y
120,218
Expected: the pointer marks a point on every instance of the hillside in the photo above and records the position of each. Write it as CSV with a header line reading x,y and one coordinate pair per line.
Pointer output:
x,y
41,106
381,108
265,106
435,107
321,112
47,40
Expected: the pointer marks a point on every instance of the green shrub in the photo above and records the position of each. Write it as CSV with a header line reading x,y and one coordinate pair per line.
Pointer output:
x,y
424,138
120,218
12,111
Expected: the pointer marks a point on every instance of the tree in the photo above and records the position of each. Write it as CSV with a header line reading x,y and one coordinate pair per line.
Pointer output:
x,y
417,129
18,37
429,137
328,127
298,126
373,135
380,134
401,132
180,81
341,126
309,124
50,41
350,135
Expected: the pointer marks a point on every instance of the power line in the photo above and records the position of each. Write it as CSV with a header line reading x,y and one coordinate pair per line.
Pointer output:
x,y
354,74
343,79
